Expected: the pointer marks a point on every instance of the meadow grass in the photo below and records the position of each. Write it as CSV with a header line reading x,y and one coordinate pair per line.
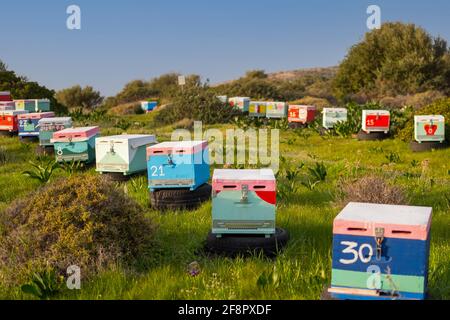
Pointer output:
x,y
303,269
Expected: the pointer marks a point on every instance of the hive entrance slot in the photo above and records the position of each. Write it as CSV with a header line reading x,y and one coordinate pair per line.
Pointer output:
x,y
157,152
259,187
401,232
229,187
357,229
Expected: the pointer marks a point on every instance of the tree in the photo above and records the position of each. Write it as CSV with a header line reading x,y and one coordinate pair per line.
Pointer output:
x,y
77,97
21,88
398,59
3,66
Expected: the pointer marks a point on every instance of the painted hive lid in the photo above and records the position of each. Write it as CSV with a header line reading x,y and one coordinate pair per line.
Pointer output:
x,y
135,140
56,120
326,110
5,96
75,134
37,115
405,222
240,98
297,106
13,112
7,103
230,179
177,147
377,112
429,118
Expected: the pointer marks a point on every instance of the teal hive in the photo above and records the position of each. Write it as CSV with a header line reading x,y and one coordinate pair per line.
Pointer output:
x,y
244,202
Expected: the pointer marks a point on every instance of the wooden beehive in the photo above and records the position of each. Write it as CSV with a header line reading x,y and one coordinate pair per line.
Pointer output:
x,y
331,116
123,154
376,121
33,105
48,126
429,128
7,105
301,114
178,164
244,202
381,252
240,103
149,106
75,144
9,120
276,110
29,123
5,96
257,109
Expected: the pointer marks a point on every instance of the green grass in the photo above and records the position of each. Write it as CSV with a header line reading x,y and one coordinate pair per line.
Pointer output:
x,y
303,269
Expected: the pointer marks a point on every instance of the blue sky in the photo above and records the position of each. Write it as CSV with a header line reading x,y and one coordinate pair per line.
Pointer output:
x,y
122,40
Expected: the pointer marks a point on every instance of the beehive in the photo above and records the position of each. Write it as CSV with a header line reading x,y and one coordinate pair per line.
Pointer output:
x,y
276,110
9,121
381,252
331,116
33,105
223,99
7,105
429,128
244,202
122,154
149,106
257,109
5,96
48,126
178,164
29,123
240,103
376,121
301,114
75,144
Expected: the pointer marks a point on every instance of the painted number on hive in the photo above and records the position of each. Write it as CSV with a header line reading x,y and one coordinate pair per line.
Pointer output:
x,y
157,171
357,253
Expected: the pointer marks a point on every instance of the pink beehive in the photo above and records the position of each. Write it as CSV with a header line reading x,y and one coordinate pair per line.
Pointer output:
x,y
75,134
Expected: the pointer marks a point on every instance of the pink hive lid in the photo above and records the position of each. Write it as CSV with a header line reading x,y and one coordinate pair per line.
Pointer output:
x,y
177,147
75,134
37,115
296,106
405,222
12,112
230,179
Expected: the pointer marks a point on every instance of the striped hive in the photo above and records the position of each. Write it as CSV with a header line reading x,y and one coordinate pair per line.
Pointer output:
x,y
33,105
178,164
122,154
29,123
244,202
257,109
381,252
75,144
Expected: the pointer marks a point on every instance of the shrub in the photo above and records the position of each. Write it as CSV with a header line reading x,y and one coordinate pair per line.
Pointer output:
x,y
441,107
85,221
371,189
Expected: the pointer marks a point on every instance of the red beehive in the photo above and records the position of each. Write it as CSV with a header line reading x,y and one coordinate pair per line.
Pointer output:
x,y
301,114
5,96
9,121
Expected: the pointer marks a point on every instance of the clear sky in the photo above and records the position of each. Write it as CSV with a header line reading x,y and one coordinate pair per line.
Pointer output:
x,y
123,40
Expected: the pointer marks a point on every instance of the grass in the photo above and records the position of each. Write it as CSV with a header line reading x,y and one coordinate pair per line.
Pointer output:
x,y
303,269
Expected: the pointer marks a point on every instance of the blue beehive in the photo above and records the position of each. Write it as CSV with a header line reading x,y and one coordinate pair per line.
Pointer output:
x,y
179,164
149,106
29,123
381,252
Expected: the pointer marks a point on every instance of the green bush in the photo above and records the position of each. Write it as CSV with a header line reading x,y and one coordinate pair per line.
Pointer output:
x,y
441,107
84,220
196,103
